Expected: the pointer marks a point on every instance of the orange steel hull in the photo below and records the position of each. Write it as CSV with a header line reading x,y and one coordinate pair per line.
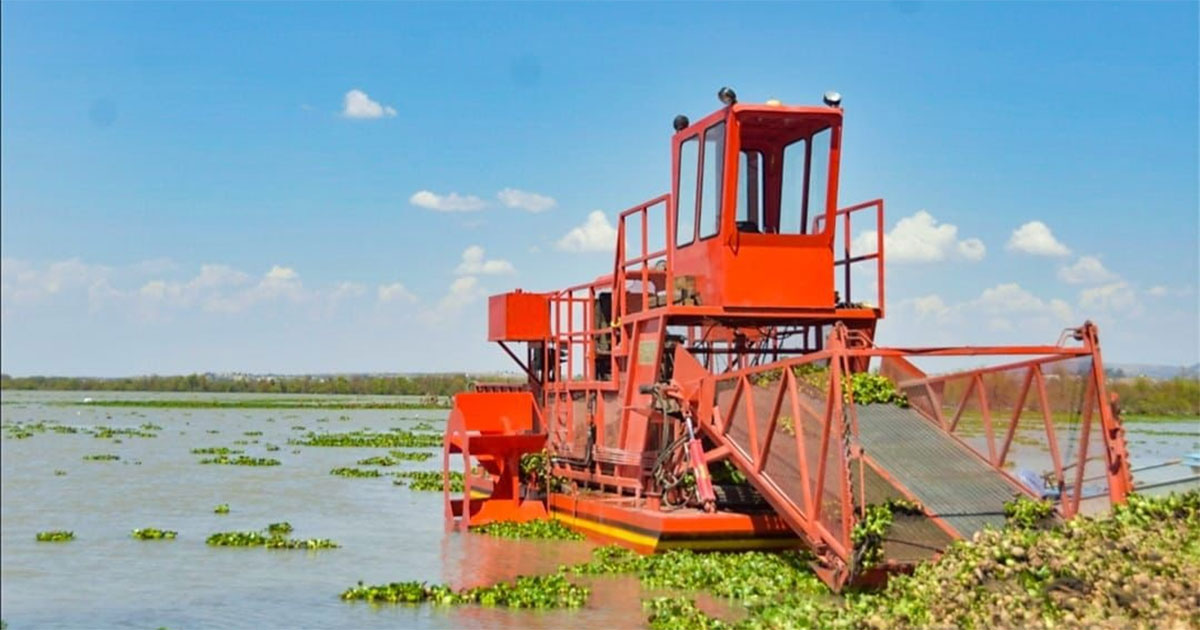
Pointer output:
x,y
620,520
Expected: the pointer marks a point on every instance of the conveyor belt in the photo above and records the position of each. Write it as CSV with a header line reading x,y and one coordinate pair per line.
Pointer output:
x,y
950,481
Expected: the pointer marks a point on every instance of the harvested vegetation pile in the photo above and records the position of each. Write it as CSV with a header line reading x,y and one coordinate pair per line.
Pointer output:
x,y
1137,568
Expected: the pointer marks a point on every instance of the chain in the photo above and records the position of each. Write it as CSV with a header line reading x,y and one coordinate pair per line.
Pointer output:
x,y
847,456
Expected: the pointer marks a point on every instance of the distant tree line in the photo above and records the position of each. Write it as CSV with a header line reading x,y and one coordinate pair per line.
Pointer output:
x,y
1142,396
417,385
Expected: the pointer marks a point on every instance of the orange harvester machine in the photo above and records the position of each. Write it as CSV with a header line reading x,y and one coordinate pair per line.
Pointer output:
x,y
695,396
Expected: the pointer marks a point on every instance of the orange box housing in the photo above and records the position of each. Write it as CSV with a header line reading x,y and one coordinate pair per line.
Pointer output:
x,y
518,316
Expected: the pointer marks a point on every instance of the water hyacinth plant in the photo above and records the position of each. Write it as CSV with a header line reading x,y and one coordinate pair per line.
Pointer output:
x,y
241,460
221,509
55,535
541,591
378,460
273,536
151,533
356,472
392,439
429,480
217,450
105,457
410,456
534,530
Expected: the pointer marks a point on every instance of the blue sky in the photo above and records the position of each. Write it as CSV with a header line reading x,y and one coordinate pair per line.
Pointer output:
x,y
267,187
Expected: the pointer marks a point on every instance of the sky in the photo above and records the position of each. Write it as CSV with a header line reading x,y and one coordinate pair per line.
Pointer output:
x,y
313,188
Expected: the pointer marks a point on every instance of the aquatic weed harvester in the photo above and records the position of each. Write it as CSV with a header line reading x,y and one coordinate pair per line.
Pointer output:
x,y
721,388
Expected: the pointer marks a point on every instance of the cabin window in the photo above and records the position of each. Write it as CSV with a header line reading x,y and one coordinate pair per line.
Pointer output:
x,y
804,191
791,199
685,196
750,199
711,184
818,177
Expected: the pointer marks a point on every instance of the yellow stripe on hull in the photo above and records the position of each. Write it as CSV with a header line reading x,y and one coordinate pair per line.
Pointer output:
x,y
643,540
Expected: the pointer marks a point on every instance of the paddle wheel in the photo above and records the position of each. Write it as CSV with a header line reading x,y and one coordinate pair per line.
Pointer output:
x,y
703,394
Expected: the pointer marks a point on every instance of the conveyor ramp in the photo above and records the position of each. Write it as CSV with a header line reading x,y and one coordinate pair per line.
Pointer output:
x,y
951,482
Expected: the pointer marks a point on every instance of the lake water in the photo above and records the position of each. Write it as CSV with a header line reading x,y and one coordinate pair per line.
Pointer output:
x,y
105,579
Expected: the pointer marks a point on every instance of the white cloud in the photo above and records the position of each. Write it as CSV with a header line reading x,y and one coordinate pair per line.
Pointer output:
x,y
395,292
1115,297
1086,270
1157,291
474,262
447,203
971,249
1036,238
921,239
595,235
346,290
930,306
461,293
356,104
528,201
1012,298
22,283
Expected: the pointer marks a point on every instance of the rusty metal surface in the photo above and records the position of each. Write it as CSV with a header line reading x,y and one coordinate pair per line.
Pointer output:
x,y
949,480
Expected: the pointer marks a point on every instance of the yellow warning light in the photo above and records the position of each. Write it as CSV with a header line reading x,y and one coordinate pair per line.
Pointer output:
x,y
774,102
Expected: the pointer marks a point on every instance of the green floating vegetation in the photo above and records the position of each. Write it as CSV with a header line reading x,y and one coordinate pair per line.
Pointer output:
x,y
103,457
871,529
393,439
55,535
257,403
151,533
749,577
1134,568
270,539
378,460
103,432
541,529
1026,513
424,426
866,388
241,460
539,591
252,433
429,480
355,472
410,456
60,473
272,447
217,450
237,539
23,430
221,509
